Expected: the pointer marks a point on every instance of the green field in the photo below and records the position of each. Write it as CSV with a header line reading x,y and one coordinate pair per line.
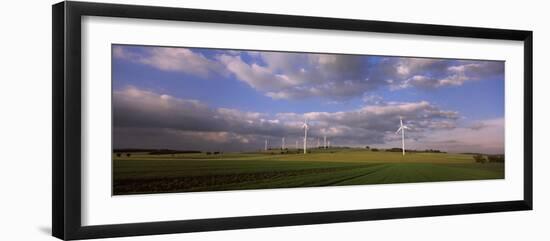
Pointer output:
x,y
144,173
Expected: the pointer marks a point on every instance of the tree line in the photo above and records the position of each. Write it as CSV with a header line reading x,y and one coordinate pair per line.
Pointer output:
x,y
479,158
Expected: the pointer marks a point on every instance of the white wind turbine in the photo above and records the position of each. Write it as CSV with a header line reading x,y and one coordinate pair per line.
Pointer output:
x,y
305,126
318,143
283,144
265,147
325,144
402,129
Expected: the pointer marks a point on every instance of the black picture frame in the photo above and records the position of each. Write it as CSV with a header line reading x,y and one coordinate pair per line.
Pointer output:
x,y
66,158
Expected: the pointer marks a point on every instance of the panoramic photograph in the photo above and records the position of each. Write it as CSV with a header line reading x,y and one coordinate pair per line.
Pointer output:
x,y
188,119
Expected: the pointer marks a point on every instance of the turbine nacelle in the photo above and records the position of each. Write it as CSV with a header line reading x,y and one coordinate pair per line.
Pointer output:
x,y
305,125
401,128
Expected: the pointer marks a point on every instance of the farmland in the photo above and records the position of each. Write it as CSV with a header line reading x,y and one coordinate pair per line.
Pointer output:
x,y
141,172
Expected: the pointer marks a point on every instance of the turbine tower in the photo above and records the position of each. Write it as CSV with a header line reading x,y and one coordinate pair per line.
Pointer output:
x,y
402,129
265,147
305,126
318,144
325,144
296,144
283,144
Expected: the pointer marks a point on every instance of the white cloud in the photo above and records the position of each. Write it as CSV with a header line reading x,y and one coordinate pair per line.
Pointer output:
x,y
283,75
411,66
435,73
256,76
301,75
486,137
171,59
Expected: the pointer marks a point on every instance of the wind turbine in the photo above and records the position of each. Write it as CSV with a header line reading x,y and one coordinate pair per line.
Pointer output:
x,y
265,147
283,144
318,143
296,144
402,129
325,144
305,126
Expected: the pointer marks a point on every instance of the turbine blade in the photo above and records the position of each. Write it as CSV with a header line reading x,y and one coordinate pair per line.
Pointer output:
x,y
398,130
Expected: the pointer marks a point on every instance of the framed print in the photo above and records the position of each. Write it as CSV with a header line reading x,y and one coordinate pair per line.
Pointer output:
x,y
171,120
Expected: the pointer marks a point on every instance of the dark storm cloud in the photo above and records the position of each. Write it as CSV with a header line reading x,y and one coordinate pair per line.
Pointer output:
x,y
164,138
138,108
139,113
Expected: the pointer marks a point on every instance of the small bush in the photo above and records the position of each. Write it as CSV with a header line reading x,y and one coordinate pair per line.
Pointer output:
x,y
374,149
395,149
495,158
479,158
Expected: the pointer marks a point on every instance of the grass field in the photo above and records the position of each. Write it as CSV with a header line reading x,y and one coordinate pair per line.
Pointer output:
x,y
143,173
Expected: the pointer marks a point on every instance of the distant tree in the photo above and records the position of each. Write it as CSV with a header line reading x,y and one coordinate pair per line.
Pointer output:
x,y
128,154
395,149
374,149
367,147
479,158
118,154
208,153
495,158
171,152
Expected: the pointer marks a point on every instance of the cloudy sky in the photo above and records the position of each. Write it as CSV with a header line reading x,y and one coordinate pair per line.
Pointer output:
x,y
230,100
